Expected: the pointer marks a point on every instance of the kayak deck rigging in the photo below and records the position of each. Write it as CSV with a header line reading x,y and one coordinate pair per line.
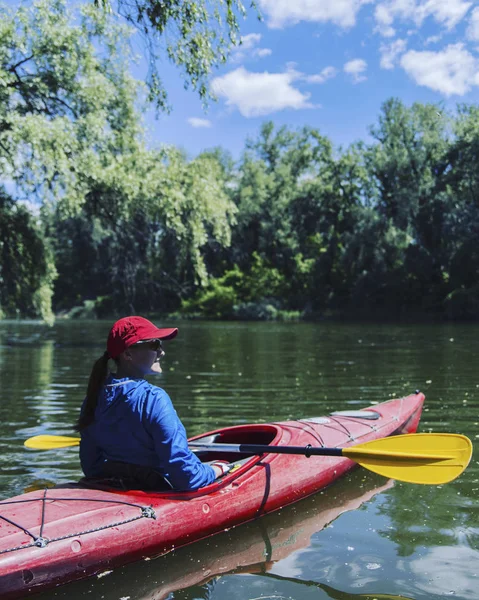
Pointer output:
x,y
41,541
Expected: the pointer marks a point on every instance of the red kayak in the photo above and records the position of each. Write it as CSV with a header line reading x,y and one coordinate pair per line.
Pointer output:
x,y
253,548
52,536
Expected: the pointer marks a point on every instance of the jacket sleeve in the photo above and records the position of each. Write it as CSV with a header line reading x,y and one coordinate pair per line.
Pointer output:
x,y
177,463
91,457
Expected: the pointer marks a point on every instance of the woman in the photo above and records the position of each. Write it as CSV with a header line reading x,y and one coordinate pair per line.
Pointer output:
x,y
129,428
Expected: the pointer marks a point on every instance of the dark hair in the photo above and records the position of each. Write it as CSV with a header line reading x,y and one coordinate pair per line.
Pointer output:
x,y
97,377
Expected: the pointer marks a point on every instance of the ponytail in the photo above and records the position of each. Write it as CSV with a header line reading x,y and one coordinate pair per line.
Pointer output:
x,y
98,375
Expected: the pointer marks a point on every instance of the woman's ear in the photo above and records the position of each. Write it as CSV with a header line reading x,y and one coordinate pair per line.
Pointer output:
x,y
127,354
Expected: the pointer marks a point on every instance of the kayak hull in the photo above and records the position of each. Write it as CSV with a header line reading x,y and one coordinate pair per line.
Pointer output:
x,y
49,537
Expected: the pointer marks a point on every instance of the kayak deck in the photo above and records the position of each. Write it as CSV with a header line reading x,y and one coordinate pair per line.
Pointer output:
x,y
51,536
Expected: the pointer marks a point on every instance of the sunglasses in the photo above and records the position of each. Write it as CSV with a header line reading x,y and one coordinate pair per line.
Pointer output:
x,y
154,345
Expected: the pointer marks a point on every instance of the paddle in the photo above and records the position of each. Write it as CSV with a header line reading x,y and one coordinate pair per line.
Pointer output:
x,y
51,442
428,458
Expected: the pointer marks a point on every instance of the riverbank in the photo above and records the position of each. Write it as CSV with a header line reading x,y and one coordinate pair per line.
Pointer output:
x,y
269,312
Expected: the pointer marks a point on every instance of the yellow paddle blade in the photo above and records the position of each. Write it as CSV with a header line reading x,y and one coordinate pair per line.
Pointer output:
x,y
51,442
429,458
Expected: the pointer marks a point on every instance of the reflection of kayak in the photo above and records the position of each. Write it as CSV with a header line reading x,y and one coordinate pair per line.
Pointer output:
x,y
253,548
52,536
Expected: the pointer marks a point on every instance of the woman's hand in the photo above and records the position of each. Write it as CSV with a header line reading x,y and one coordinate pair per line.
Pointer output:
x,y
220,467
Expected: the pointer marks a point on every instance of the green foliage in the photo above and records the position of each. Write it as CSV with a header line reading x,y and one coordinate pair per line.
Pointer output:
x,y
70,137
218,299
195,35
263,279
463,304
26,265
142,245
223,301
240,295
68,101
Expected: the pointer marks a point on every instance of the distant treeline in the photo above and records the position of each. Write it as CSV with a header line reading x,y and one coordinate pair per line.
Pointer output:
x,y
295,228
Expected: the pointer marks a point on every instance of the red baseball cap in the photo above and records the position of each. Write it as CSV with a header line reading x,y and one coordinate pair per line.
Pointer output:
x,y
130,330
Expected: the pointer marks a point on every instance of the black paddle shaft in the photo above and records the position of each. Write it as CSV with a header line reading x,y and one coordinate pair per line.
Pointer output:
x,y
265,449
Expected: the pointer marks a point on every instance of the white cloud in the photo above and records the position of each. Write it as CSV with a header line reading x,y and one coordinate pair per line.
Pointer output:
x,y
326,73
258,94
384,19
281,13
248,48
451,71
262,52
473,29
196,122
447,13
387,31
355,68
390,53
249,41
446,567
433,39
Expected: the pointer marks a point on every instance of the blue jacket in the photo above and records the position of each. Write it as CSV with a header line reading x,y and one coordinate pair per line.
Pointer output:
x,y
135,422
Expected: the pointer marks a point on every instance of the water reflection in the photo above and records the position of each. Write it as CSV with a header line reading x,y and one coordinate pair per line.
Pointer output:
x,y
433,569
259,548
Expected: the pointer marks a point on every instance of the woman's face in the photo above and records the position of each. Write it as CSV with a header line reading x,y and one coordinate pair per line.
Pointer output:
x,y
144,357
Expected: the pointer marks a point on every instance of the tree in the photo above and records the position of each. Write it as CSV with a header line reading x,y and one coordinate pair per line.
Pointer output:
x,y
68,107
462,184
71,138
274,167
325,216
408,162
143,244
195,35
26,263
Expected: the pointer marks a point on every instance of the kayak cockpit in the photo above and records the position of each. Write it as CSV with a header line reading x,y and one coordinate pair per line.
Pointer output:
x,y
241,434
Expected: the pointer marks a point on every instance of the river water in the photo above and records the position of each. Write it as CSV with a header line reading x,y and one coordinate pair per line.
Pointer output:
x,y
364,537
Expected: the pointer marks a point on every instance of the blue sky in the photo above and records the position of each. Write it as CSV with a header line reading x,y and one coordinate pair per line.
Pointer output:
x,y
329,64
